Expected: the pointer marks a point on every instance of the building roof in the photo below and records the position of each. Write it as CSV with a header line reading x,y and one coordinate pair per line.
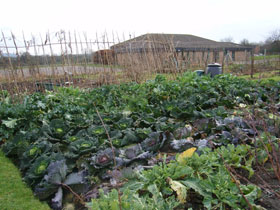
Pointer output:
x,y
178,41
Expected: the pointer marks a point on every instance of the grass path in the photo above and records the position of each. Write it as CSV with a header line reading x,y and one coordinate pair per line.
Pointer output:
x,y
14,193
264,76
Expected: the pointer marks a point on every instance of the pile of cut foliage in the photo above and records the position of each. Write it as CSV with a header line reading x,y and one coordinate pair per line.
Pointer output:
x,y
169,144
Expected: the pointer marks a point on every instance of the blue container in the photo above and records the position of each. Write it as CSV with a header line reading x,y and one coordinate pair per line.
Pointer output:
x,y
213,69
199,72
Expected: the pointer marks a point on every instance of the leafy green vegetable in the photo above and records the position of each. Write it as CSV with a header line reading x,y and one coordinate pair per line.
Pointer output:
x,y
10,123
206,175
82,146
132,200
55,178
143,120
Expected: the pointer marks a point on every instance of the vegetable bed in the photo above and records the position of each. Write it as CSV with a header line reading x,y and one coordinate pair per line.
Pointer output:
x,y
157,145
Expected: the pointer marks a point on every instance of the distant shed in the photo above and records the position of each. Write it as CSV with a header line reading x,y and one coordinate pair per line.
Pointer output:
x,y
105,57
186,48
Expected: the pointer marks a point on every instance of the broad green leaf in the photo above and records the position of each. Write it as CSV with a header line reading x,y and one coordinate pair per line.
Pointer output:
x,y
10,123
182,171
251,192
257,207
194,184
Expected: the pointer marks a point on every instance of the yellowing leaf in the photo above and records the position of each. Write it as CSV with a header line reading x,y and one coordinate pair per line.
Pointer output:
x,y
269,147
179,188
159,156
266,159
186,154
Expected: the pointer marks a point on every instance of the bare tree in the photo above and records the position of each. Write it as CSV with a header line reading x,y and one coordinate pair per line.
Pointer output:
x,y
273,36
227,39
272,43
245,42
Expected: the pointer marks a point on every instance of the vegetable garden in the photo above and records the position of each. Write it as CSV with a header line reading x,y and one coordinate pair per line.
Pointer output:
x,y
190,143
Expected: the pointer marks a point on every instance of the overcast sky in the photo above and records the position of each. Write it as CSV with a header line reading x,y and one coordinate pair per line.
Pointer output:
x,y
212,19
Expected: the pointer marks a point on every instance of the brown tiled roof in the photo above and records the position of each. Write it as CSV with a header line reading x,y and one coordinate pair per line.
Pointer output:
x,y
178,41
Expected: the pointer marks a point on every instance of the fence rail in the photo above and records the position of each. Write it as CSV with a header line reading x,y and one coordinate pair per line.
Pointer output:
x,y
69,58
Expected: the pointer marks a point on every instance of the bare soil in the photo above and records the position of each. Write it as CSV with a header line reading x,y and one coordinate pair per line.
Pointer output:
x,y
267,180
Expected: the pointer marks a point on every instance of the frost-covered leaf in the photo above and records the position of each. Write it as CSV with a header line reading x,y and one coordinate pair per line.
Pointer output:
x,y
75,178
41,105
57,200
182,144
10,123
152,143
56,172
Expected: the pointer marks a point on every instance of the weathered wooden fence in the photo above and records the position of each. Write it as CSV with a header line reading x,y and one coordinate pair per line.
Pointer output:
x,y
35,63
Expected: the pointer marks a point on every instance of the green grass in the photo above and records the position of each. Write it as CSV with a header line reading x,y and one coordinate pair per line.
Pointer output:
x,y
264,76
275,78
14,193
266,57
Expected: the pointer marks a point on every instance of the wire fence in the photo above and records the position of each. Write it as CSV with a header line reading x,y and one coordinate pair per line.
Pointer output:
x,y
37,63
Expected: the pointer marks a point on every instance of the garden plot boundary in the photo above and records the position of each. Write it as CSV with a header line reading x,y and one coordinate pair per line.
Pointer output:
x,y
63,58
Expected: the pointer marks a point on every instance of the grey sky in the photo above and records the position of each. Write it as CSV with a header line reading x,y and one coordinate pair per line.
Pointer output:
x,y
213,19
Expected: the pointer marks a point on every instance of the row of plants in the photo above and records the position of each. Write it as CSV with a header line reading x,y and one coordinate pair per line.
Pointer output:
x,y
194,180
198,181
68,140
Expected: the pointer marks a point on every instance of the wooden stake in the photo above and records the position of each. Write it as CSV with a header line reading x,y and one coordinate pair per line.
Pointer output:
x,y
9,58
18,57
252,64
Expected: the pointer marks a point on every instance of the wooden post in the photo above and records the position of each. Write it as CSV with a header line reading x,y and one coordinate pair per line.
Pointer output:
x,y
40,74
252,64
37,63
28,58
207,58
68,66
77,61
18,57
90,59
99,59
53,60
62,53
9,58
44,53
71,57
110,59
223,62
84,54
